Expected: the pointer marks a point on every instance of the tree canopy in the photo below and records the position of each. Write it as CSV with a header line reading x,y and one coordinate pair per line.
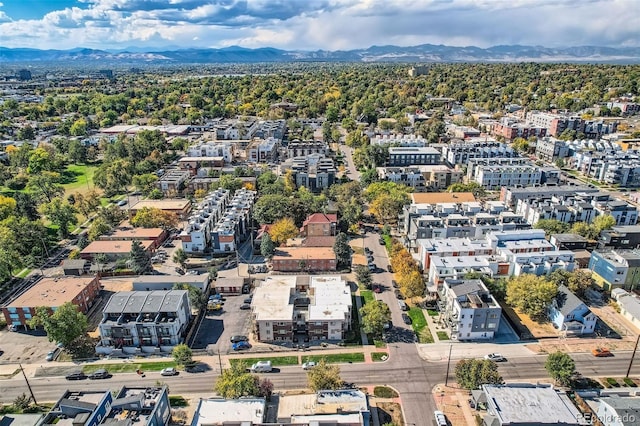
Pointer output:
x,y
324,376
64,325
531,294
560,367
471,373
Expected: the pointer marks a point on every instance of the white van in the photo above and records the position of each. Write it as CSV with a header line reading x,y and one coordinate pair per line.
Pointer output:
x,y
261,367
441,420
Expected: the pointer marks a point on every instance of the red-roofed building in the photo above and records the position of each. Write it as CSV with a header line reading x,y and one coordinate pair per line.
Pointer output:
x,y
320,225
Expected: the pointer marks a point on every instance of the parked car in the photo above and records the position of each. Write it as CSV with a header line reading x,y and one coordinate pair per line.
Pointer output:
x,y
180,271
248,300
122,203
240,346
50,355
239,338
381,241
495,357
377,289
399,295
169,371
403,306
77,375
389,268
99,374
406,318
261,367
601,352
308,365
441,420
372,267
245,306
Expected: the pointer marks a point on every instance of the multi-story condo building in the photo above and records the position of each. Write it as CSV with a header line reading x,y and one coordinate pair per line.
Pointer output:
x,y
565,208
511,128
621,237
463,132
234,225
614,167
410,156
302,307
431,247
196,236
626,108
298,148
137,322
469,310
263,150
314,171
550,149
173,181
275,129
558,123
410,176
495,177
472,164
399,140
212,149
511,194
613,269
426,178
461,152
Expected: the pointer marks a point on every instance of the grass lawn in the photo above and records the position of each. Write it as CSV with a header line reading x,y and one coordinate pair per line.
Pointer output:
x,y
336,358
387,242
432,312
367,296
129,367
442,335
377,356
419,324
24,273
178,401
379,343
275,361
78,178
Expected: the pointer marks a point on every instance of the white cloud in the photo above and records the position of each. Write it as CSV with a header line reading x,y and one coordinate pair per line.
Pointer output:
x,y
329,24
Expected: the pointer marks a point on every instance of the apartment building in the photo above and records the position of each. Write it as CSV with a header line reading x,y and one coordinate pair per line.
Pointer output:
x,y
511,194
565,209
409,156
626,108
469,310
275,129
613,269
550,149
511,128
410,176
496,176
426,177
304,259
298,148
180,207
621,237
212,149
173,182
320,225
196,236
291,307
450,247
613,167
52,293
263,150
143,406
144,322
234,225
558,123
399,140
463,132
460,152
315,171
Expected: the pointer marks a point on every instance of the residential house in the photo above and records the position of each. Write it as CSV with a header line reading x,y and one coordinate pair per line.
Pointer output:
x,y
320,225
469,310
570,315
52,293
618,410
615,269
75,267
304,259
301,307
144,322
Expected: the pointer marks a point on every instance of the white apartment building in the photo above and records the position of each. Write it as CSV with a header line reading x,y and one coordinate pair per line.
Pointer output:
x,y
263,150
410,176
399,140
137,322
469,310
234,225
212,149
196,236
461,152
285,307
495,177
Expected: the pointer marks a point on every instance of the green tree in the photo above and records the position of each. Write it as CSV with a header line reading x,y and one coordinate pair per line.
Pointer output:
x,y
139,258
412,284
197,298
374,316
230,183
64,325
552,226
180,257
46,185
152,217
472,373
26,133
531,294
606,221
10,256
86,203
560,367
97,228
585,230
61,214
236,382
521,145
79,128
145,182
363,276
8,207
111,214
324,376
267,247
271,208
182,354
342,249
77,152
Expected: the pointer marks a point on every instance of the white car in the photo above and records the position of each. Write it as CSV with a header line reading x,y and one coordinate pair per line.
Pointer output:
x,y
441,420
309,365
169,371
495,357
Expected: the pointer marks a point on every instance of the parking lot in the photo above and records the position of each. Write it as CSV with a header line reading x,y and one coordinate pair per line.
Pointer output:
x,y
217,327
28,347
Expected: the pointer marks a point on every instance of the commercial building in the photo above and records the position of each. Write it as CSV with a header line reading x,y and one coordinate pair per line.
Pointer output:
x,y
570,315
180,207
345,407
52,293
130,405
527,404
410,156
221,412
301,307
304,259
469,310
137,322
615,268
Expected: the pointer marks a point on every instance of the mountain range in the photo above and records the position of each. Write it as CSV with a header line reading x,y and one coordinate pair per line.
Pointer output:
x,y
426,53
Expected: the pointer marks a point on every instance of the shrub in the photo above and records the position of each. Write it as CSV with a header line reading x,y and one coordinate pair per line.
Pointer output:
x,y
613,382
629,382
384,392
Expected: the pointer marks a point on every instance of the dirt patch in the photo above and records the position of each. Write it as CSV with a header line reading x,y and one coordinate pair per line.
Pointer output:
x,y
116,284
390,412
581,344
527,327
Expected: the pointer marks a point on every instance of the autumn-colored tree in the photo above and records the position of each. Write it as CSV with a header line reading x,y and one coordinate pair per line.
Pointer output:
x,y
531,294
412,284
151,217
282,230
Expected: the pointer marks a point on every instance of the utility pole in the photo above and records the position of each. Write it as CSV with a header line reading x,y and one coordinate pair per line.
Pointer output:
x,y
220,361
28,385
446,377
633,355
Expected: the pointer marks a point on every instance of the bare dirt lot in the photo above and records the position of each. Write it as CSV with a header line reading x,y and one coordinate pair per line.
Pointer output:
x,y
27,347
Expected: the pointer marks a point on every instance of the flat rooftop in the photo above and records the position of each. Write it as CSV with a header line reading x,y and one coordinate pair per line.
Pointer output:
x,y
441,197
52,292
272,298
173,204
113,247
220,411
331,298
304,253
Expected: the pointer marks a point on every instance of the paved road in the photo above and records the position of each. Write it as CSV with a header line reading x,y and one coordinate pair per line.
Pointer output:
x,y
354,174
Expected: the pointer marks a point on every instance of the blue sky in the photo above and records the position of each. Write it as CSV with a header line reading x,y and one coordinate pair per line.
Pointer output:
x,y
316,24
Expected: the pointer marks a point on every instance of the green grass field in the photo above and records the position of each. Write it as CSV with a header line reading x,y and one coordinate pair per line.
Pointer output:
x,y
78,178
419,324
129,367
275,361
378,356
442,335
336,358
367,296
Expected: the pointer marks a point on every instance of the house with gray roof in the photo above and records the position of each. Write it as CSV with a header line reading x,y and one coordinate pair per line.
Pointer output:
x,y
570,315
629,305
144,322
618,410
